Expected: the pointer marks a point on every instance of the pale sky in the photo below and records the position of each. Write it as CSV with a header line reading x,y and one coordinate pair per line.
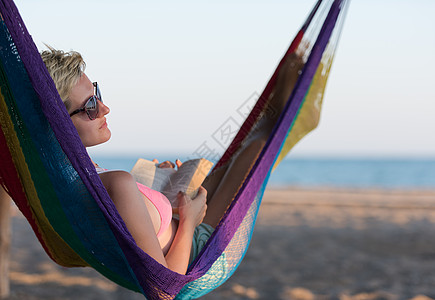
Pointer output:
x,y
174,72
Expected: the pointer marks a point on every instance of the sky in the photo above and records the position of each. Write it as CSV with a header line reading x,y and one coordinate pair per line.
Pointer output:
x,y
173,72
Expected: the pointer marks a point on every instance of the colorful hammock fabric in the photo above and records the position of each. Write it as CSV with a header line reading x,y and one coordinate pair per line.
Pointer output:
x,y
49,175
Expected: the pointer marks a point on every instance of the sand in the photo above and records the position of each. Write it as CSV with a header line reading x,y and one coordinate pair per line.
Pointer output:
x,y
307,244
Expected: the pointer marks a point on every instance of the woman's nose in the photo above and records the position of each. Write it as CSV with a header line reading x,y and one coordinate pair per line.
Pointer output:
x,y
104,109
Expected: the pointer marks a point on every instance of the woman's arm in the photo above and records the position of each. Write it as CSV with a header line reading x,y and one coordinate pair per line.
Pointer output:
x,y
129,202
192,213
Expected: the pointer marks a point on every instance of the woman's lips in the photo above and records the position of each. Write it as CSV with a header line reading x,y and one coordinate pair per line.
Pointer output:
x,y
104,125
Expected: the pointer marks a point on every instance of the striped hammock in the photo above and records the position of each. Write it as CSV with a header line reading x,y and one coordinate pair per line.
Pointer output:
x,y
49,175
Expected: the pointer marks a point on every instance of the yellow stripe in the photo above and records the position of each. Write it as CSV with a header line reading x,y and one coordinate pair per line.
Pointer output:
x,y
59,250
309,113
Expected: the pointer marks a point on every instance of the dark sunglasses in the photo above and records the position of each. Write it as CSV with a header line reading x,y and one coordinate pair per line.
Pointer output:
x,y
91,106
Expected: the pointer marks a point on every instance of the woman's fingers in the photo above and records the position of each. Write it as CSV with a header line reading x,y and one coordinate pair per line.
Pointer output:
x,y
202,191
178,163
167,164
182,199
194,210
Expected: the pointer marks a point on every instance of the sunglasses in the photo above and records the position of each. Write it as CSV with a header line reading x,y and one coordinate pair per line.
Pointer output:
x,y
91,105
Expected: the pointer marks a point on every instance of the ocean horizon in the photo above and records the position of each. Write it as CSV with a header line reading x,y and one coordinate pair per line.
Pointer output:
x,y
326,172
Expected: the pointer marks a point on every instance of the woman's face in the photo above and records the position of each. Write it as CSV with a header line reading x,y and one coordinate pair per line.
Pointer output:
x,y
91,132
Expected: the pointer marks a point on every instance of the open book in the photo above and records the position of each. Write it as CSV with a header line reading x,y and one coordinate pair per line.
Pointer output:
x,y
188,178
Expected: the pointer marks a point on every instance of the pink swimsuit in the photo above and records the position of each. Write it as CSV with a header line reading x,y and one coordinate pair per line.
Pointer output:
x,y
162,205
159,200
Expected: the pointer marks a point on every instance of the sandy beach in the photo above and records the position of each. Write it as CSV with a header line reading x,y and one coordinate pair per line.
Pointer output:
x,y
307,244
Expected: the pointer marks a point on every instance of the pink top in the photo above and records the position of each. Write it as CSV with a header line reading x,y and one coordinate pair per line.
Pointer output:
x,y
162,205
159,200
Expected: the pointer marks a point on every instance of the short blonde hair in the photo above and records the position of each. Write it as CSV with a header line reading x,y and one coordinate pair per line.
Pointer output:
x,y
65,68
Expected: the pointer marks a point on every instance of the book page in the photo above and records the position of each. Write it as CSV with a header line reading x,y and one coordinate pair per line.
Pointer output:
x,y
188,178
149,174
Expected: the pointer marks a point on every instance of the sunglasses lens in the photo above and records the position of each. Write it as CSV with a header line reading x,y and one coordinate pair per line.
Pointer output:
x,y
91,108
98,92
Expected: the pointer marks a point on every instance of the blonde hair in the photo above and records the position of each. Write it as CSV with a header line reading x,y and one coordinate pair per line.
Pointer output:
x,y
65,68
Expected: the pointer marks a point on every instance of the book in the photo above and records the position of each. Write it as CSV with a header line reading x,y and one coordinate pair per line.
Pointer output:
x,y
169,181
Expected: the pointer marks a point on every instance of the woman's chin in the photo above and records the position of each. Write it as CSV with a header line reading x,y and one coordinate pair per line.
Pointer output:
x,y
109,133
106,138
106,135
99,141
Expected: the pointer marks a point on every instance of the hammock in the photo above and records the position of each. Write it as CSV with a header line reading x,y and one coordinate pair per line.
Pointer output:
x,y
49,175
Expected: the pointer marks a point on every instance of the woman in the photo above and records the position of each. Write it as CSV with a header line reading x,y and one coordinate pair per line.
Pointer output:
x,y
147,213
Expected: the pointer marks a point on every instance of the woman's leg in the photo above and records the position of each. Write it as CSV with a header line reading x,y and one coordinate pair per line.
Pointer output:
x,y
224,185
212,181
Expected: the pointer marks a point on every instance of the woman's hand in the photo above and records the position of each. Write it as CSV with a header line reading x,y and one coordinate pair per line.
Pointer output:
x,y
192,211
168,164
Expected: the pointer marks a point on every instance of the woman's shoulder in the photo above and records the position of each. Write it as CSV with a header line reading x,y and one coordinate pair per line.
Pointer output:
x,y
116,174
117,178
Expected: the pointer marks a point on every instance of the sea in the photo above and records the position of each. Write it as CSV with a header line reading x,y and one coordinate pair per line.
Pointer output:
x,y
320,172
